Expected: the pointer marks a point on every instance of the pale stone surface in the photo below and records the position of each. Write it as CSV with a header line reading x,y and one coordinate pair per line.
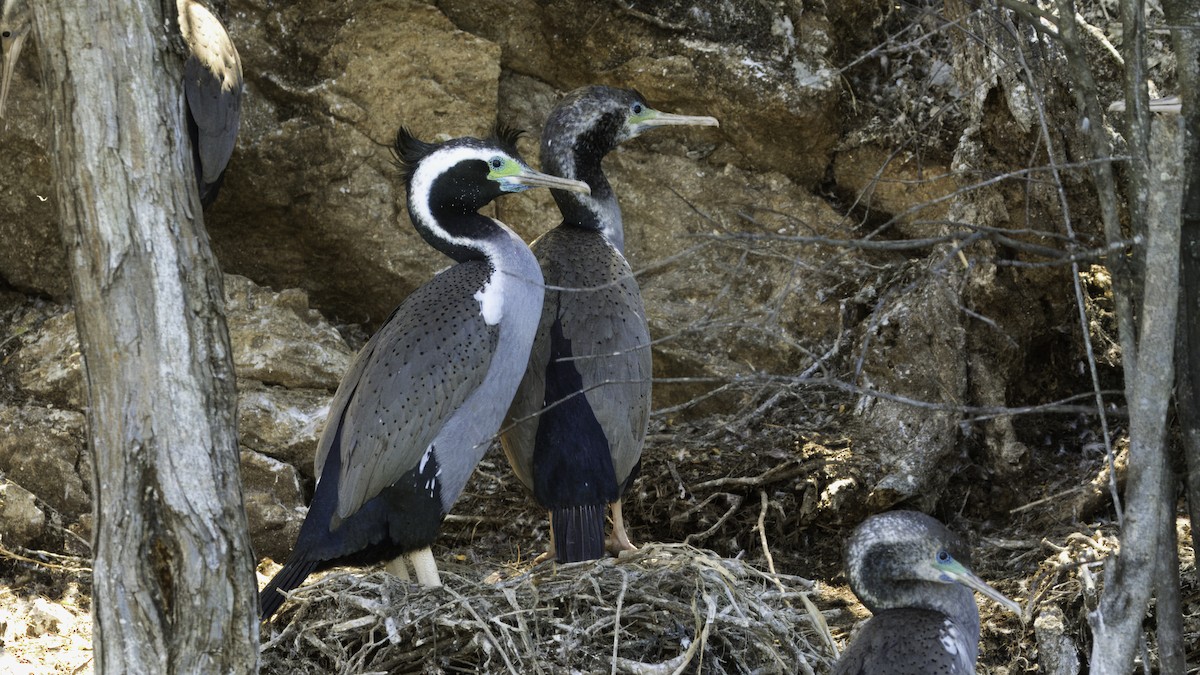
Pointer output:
x,y
43,450
278,339
274,504
21,521
282,423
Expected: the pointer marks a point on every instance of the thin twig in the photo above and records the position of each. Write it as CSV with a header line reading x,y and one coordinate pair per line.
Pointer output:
x,y
75,569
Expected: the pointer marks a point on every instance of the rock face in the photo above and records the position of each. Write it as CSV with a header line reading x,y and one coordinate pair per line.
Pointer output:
x,y
278,340
738,234
43,451
312,198
49,367
21,521
758,67
288,361
913,351
32,257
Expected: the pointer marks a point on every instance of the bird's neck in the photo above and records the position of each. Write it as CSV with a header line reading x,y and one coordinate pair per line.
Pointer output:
x,y
597,211
953,600
461,235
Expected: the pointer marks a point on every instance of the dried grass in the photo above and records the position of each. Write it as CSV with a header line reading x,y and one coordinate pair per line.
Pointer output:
x,y
667,608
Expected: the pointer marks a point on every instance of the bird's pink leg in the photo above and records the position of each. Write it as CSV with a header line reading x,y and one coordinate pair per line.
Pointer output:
x,y
619,541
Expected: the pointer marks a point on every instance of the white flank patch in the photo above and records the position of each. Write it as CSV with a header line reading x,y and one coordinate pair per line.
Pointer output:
x,y
491,299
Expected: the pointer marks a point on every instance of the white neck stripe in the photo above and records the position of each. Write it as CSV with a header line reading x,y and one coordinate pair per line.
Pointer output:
x,y
491,296
421,187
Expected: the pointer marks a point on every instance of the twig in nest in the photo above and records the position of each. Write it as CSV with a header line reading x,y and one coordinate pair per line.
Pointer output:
x,y
1053,497
617,617
762,536
466,604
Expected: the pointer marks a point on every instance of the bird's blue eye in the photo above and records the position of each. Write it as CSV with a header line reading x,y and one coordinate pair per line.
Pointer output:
x,y
637,108
943,557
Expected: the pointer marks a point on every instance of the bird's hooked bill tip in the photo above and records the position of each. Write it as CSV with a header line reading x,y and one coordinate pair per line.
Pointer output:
x,y
531,178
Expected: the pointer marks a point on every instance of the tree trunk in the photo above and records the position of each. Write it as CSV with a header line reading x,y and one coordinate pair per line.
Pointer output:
x,y
174,576
1129,576
1180,14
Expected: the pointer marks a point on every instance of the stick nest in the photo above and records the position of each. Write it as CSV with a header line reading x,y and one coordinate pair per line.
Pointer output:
x,y
667,608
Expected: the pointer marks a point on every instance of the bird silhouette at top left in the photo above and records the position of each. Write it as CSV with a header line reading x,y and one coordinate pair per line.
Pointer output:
x,y
212,83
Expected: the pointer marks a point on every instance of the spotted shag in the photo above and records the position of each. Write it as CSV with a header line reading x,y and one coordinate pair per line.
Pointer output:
x,y
427,393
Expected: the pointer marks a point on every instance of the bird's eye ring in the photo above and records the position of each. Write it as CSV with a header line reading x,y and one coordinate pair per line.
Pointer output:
x,y
943,557
497,163
637,108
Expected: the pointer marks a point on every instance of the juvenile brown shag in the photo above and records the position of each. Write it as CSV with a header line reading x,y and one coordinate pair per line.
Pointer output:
x,y
584,404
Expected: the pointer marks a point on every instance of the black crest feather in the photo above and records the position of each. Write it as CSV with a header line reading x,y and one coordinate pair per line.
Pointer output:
x,y
409,150
506,137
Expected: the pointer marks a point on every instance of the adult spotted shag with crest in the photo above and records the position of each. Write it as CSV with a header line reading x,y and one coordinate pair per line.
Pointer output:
x,y
580,416
212,83
910,571
427,393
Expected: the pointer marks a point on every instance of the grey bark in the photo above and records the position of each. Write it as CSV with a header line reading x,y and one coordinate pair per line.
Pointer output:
x,y
1186,43
174,585
1168,606
1130,575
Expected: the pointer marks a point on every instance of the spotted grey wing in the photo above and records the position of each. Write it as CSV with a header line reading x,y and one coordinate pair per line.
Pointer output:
x,y
432,353
605,323
215,103
909,642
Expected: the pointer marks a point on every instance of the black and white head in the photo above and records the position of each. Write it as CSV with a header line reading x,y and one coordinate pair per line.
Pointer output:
x,y
16,21
449,182
908,559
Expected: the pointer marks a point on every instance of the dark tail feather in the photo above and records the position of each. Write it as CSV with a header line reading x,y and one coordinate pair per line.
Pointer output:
x,y
208,191
578,532
292,575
